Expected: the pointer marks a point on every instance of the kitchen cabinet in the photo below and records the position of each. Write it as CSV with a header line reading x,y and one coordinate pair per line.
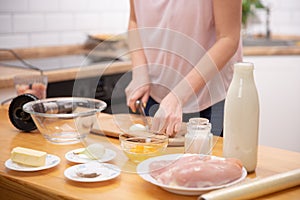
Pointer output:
x,y
278,84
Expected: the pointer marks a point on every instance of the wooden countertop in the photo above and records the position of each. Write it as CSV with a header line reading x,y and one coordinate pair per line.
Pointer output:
x,y
292,46
102,68
7,74
51,183
270,50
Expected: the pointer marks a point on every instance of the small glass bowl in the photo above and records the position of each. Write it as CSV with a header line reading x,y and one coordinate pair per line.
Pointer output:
x,y
64,120
139,147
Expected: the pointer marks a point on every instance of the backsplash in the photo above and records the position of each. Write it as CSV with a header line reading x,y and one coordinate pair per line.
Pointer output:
x,y
31,23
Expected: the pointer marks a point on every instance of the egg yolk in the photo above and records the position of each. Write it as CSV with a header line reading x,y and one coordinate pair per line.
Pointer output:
x,y
142,149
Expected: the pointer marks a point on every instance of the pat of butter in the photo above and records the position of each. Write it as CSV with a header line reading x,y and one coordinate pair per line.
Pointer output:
x,y
29,157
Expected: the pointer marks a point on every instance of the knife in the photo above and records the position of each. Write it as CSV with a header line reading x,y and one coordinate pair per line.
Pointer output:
x,y
139,106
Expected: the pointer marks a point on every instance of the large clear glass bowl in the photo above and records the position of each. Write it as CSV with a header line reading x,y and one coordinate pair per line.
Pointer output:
x,y
65,120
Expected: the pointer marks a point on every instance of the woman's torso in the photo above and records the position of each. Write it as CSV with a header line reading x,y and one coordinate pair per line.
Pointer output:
x,y
175,35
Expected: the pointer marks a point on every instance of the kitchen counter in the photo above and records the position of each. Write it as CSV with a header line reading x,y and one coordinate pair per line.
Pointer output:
x,y
270,50
104,68
55,77
7,73
256,45
51,183
62,63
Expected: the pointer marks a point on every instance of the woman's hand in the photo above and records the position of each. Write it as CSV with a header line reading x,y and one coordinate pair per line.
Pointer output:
x,y
168,118
135,91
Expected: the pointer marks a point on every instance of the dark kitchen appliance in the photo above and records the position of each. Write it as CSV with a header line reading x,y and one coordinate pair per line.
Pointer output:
x,y
106,88
93,87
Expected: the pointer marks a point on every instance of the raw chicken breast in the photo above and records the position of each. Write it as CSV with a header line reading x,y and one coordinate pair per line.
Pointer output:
x,y
196,171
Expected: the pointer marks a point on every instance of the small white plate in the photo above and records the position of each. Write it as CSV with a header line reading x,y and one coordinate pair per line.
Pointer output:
x,y
82,158
106,171
143,170
51,161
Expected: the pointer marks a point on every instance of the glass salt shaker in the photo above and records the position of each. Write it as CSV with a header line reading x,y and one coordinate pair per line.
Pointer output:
x,y
198,139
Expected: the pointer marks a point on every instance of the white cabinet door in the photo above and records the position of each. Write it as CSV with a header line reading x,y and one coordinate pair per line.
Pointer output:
x,y
278,83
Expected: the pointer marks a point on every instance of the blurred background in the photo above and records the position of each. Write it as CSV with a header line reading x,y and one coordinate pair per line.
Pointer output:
x,y
271,35
30,23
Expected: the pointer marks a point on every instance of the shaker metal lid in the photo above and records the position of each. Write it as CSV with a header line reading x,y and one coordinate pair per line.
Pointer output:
x,y
18,117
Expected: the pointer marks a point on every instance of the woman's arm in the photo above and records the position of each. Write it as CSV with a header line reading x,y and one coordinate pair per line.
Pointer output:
x,y
136,52
227,15
139,87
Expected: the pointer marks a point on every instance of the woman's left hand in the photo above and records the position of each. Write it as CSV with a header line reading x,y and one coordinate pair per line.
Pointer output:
x,y
168,118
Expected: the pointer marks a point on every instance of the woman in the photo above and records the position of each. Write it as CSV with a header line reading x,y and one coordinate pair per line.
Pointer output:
x,y
182,54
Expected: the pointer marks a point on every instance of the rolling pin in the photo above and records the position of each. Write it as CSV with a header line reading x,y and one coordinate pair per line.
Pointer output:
x,y
256,188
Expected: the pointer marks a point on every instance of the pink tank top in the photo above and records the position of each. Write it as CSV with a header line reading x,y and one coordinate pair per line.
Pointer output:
x,y
175,34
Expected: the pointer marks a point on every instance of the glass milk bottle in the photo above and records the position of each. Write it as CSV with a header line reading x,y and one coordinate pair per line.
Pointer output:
x,y
198,139
241,117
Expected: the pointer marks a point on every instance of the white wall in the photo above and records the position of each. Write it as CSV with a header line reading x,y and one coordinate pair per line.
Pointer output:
x,y
284,18
30,23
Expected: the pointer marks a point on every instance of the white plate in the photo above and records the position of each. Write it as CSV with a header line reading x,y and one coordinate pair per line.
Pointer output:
x,y
51,161
143,171
106,171
82,158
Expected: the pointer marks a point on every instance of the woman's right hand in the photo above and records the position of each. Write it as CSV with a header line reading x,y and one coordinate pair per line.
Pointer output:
x,y
135,91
